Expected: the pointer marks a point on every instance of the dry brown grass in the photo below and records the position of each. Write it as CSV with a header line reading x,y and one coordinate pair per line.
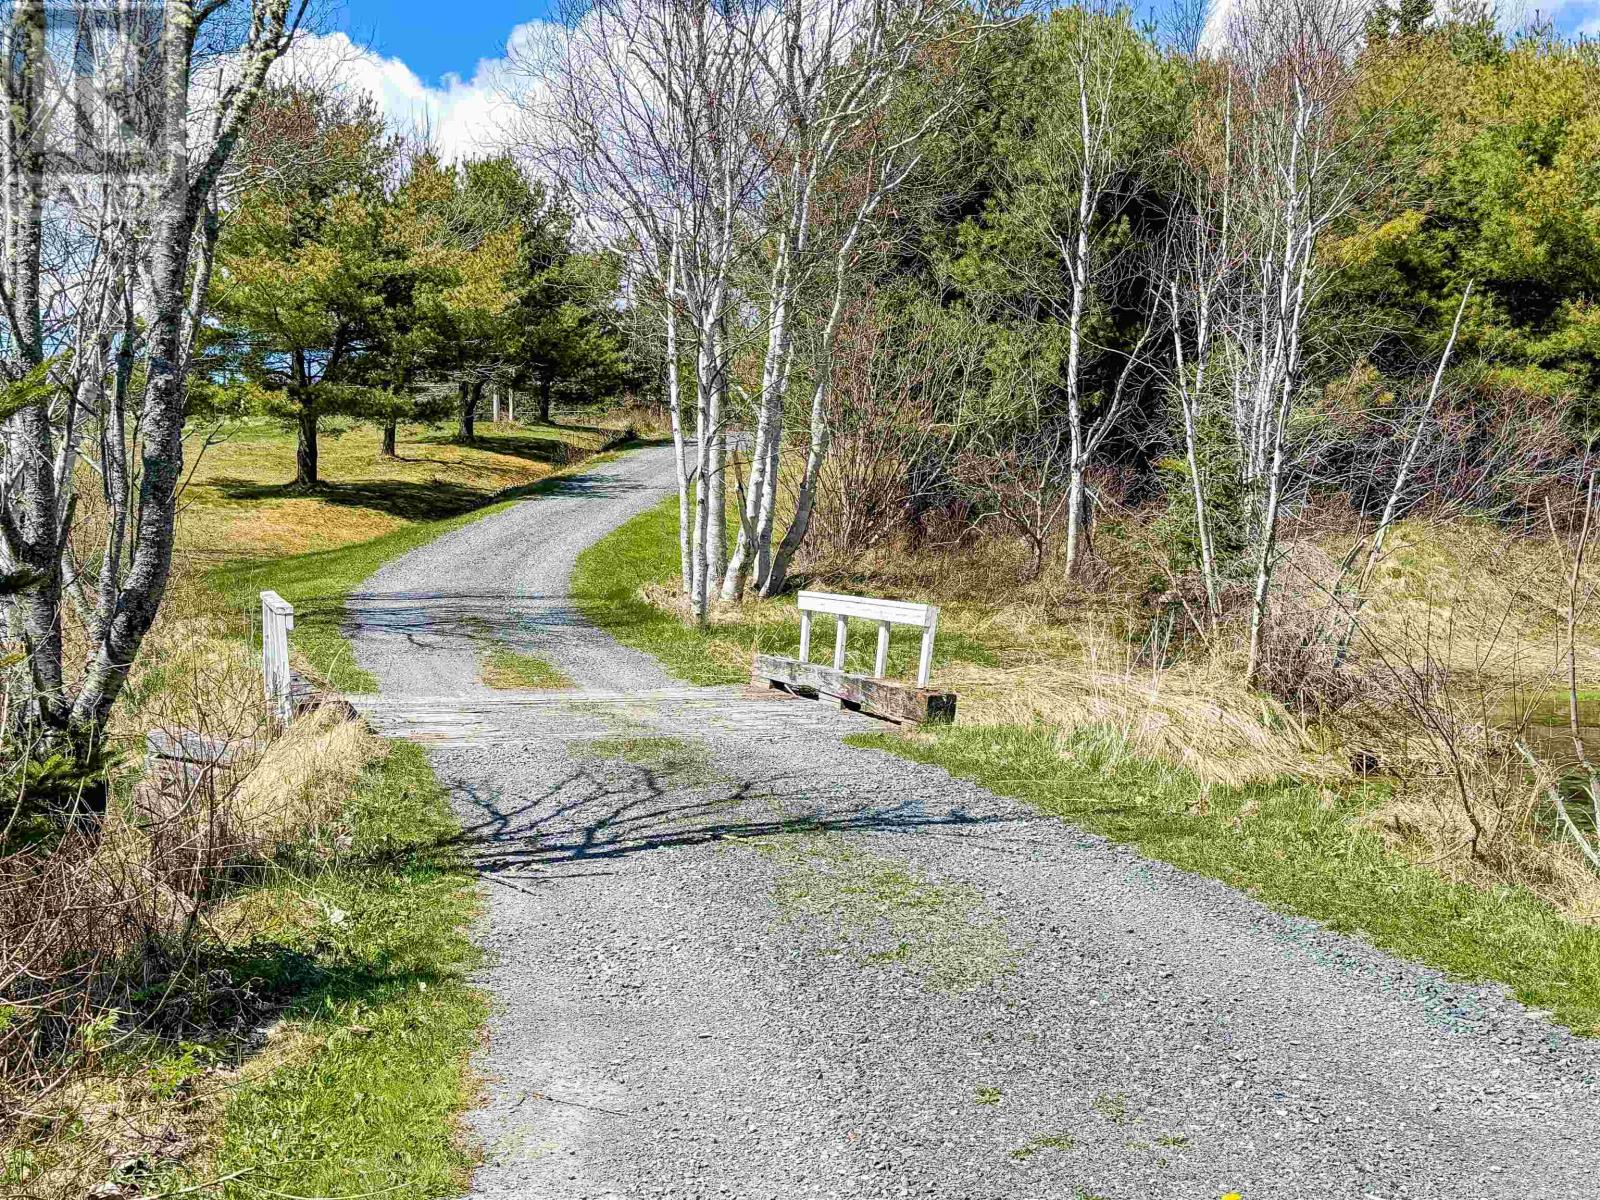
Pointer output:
x,y
1428,821
92,919
1195,716
649,421
1456,654
237,504
97,942
1473,599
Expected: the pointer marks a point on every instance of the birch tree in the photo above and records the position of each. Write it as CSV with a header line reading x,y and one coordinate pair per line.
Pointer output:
x,y
650,111
119,123
1087,143
1199,266
1296,155
835,70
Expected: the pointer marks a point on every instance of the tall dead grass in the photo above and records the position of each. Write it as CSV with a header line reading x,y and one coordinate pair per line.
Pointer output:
x,y
105,932
1426,689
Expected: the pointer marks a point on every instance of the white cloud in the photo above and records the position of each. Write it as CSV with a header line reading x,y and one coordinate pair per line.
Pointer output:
x,y
462,117
1570,17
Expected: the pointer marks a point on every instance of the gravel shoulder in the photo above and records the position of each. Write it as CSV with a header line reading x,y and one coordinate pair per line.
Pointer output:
x,y
731,956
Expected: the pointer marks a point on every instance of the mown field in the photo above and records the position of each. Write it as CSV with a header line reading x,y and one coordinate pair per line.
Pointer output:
x,y
239,503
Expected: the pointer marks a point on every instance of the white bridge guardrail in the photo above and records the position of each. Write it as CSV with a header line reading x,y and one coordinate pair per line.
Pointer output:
x,y
277,618
884,612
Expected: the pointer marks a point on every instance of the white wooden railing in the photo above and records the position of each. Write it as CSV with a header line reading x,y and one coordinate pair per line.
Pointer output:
x,y
277,618
884,612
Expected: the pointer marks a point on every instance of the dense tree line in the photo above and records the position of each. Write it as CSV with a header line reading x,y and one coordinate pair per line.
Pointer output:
x,y
972,266
366,280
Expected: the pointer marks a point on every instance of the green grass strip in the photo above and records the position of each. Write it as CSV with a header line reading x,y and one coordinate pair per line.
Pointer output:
x,y
390,1018
1293,847
605,589
514,670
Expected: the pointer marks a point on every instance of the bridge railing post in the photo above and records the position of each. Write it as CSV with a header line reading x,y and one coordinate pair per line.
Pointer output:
x,y
875,693
277,619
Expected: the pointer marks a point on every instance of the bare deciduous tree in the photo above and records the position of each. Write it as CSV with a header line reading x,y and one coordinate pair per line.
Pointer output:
x,y
1086,165
108,241
834,69
649,110
1292,153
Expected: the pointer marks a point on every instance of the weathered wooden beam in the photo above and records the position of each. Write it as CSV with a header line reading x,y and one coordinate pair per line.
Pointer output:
x,y
884,698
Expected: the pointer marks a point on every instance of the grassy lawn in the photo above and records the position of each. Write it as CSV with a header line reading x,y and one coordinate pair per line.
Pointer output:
x,y
239,501
644,552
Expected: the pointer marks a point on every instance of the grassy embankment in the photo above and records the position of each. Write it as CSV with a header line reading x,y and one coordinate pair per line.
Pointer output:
x,y
360,1087
348,929
1187,767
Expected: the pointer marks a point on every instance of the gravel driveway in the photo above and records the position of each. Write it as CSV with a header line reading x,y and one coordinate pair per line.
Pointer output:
x,y
732,957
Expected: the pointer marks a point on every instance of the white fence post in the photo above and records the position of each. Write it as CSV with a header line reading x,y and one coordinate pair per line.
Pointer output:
x,y
880,662
925,660
277,618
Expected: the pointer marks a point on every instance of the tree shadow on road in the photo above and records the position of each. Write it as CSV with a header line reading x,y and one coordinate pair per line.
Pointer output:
x,y
585,817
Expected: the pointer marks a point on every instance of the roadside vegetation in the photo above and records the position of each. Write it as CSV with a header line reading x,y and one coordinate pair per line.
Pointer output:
x,y
235,953
1234,395
235,963
1179,759
1312,847
1236,405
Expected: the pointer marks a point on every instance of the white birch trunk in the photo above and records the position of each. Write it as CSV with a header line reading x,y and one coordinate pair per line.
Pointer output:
x,y
675,407
1392,506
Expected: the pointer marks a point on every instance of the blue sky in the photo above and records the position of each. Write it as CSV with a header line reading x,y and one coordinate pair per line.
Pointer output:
x,y
437,39
442,69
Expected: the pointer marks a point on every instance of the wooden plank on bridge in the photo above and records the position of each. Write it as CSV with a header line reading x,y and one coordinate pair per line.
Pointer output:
x,y
886,698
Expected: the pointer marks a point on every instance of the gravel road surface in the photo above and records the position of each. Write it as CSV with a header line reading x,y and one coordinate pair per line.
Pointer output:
x,y
732,957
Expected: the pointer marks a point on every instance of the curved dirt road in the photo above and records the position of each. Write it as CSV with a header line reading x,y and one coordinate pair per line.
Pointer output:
x,y
731,957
